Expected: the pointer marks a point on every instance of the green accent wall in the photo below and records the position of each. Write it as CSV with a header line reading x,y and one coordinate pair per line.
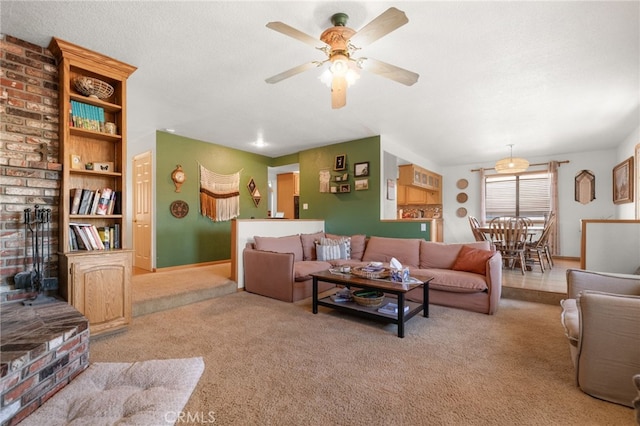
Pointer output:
x,y
356,212
196,238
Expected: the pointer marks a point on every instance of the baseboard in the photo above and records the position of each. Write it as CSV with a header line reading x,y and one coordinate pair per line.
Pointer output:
x,y
192,265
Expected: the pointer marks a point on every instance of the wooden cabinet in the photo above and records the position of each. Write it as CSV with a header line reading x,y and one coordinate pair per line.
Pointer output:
x,y
93,131
410,174
415,195
437,230
99,287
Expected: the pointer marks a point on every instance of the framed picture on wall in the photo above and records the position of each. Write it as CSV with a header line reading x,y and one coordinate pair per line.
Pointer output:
x,y
623,182
362,184
341,162
361,169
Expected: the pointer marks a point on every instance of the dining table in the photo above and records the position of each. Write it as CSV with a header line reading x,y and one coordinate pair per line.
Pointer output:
x,y
531,231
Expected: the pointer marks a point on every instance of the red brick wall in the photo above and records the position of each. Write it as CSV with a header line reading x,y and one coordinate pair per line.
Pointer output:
x,y
29,175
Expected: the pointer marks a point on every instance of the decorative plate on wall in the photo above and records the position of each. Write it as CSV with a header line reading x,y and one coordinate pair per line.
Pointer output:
x,y
462,197
462,183
461,212
179,209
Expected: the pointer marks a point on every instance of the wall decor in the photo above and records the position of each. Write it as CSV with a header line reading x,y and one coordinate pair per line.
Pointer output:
x,y
256,197
219,195
179,209
340,163
391,189
361,169
362,184
345,188
324,176
462,197
178,177
623,182
585,187
76,162
462,183
251,186
637,184
461,212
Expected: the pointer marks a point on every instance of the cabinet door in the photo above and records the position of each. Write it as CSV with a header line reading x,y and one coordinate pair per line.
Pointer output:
x,y
401,194
102,290
416,195
434,197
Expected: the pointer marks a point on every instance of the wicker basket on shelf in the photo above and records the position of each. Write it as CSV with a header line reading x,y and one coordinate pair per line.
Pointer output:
x,y
366,272
369,298
93,87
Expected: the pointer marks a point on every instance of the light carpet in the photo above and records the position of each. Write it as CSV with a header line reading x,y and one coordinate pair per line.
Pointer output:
x,y
275,363
147,393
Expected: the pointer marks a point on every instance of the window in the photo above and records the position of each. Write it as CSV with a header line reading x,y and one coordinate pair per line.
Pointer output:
x,y
527,194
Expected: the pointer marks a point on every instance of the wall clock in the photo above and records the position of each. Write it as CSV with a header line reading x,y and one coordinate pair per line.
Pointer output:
x,y
178,177
179,209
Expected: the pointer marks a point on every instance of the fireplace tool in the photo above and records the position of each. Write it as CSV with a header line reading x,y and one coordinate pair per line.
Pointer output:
x,y
37,226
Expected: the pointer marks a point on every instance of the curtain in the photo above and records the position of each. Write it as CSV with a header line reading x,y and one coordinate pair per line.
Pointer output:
x,y
483,204
554,240
219,195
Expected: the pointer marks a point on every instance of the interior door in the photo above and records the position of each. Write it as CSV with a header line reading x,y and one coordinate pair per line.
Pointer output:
x,y
142,214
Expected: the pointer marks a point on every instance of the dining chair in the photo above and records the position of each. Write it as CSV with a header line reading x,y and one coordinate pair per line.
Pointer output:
x,y
509,235
475,228
538,251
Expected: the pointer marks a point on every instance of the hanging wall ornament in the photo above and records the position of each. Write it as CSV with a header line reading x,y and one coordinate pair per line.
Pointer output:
x,y
585,187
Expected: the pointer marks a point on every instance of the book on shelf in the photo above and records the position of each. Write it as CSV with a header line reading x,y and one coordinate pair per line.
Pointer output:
x,y
104,202
75,197
116,236
94,202
85,202
391,309
105,235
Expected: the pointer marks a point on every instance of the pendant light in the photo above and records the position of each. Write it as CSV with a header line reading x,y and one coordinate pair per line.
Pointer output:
x,y
511,164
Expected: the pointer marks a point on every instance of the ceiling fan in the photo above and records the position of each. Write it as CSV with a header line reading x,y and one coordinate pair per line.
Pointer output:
x,y
340,43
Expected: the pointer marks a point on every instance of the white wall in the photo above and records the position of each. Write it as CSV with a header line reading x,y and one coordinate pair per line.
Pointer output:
x,y
600,163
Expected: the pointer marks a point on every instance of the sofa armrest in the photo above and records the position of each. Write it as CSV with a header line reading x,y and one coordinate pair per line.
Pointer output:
x,y
609,345
494,281
579,280
269,273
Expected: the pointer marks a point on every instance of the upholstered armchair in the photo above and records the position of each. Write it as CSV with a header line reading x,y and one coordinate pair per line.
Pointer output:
x,y
601,318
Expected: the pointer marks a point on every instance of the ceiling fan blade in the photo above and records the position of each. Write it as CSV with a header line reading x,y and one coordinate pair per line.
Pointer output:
x,y
297,34
338,92
388,21
293,71
406,77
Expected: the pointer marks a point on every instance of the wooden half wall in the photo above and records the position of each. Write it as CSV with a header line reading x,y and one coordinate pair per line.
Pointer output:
x,y
610,245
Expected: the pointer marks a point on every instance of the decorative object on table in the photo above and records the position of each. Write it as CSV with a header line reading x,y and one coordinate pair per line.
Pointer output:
x,y
178,177
391,189
371,272
361,169
462,197
623,182
219,195
585,187
462,183
106,166
362,184
461,212
369,298
342,295
76,162
93,87
179,209
88,166
340,162
511,164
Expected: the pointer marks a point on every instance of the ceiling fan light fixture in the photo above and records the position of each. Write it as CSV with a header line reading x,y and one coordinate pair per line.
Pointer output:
x,y
511,164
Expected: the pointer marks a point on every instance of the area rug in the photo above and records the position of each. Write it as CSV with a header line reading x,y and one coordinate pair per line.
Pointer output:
x,y
141,393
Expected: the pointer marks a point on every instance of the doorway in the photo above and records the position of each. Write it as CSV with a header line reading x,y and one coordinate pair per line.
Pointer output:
x,y
142,213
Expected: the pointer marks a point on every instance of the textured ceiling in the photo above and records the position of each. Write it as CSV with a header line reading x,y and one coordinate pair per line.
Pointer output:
x,y
549,77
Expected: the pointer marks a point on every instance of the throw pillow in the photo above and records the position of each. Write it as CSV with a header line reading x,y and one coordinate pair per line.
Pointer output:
x,y
357,243
472,260
330,249
309,244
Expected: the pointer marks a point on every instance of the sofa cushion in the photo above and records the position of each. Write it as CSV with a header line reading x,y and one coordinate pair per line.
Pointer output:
x,y
309,245
472,260
442,255
288,244
302,270
381,249
453,281
358,243
330,249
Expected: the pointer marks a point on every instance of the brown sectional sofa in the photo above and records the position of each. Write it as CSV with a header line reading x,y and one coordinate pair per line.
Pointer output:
x,y
465,275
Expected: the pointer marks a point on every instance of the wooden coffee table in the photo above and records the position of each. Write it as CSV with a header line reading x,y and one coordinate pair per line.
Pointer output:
x,y
386,286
